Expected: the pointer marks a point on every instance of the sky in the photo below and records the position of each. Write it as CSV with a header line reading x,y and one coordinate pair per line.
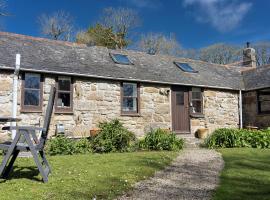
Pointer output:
x,y
195,23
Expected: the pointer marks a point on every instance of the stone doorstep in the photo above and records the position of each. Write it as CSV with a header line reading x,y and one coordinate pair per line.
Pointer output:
x,y
190,140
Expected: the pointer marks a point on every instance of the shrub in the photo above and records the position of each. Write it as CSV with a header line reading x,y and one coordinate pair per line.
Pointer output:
x,y
82,146
62,145
113,137
228,138
160,139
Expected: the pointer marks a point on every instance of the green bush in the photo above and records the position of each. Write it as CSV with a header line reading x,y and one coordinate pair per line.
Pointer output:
x,y
62,145
113,137
228,138
160,139
82,146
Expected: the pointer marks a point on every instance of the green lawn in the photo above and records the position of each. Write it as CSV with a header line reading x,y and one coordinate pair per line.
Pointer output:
x,y
246,175
83,176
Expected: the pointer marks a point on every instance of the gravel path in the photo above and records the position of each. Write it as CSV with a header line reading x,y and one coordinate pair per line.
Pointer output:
x,y
193,175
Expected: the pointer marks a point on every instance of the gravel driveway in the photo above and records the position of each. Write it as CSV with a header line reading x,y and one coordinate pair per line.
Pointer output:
x,y
192,175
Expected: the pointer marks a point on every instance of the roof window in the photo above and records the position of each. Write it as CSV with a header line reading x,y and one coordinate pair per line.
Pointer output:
x,y
120,59
185,67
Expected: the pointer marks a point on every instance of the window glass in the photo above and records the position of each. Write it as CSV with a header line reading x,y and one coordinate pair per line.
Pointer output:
x,y
31,90
129,97
32,81
64,84
180,98
196,100
185,67
264,102
31,97
130,89
130,104
63,100
64,93
120,59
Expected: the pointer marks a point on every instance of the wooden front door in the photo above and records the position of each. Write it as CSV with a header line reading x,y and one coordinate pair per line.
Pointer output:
x,y
180,110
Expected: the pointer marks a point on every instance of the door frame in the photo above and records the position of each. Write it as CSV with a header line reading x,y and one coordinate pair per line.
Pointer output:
x,y
173,90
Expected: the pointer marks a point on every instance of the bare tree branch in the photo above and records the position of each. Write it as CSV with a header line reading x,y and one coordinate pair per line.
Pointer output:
x,y
157,43
221,53
57,26
122,20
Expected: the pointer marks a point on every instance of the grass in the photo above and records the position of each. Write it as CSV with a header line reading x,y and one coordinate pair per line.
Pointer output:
x,y
83,176
246,175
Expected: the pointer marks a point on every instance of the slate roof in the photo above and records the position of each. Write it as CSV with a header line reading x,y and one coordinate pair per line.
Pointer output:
x,y
49,56
257,78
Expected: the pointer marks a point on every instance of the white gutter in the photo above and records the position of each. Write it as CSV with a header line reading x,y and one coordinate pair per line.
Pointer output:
x,y
15,91
240,110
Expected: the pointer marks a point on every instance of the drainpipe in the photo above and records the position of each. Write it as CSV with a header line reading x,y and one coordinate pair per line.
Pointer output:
x,y
15,91
240,110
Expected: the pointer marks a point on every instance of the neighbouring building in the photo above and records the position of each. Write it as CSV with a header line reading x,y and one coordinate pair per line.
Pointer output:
x,y
96,84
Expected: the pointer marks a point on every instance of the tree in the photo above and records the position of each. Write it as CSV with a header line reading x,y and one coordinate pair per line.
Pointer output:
x,y
122,20
57,26
112,29
3,6
100,36
221,53
157,43
262,53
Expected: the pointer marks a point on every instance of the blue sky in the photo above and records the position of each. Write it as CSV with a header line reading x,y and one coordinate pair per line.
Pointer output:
x,y
196,23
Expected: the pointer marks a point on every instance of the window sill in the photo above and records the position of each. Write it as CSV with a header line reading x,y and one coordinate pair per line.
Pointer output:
x,y
30,111
197,115
131,114
63,112
263,114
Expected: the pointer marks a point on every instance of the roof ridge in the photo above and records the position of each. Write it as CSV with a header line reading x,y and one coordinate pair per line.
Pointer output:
x,y
67,43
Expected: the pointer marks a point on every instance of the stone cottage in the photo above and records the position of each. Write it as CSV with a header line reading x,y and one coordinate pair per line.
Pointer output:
x,y
96,84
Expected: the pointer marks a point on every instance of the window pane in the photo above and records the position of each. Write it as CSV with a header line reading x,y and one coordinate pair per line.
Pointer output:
x,y
32,81
129,89
64,84
196,95
265,106
197,106
31,97
185,67
264,97
180,98
121,59
130,104
63,100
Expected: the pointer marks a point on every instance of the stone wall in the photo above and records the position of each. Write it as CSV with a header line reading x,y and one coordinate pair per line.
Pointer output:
x,y
96,100
250,112
221,110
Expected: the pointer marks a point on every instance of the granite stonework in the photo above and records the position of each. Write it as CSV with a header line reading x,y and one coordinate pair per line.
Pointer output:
x,y
250,112
97,100
221,110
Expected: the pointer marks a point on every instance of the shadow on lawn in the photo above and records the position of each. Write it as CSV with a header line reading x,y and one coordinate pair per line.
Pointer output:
x,y
30,172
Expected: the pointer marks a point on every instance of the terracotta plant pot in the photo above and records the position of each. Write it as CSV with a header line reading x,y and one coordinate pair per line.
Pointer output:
x,y
202,133
94,132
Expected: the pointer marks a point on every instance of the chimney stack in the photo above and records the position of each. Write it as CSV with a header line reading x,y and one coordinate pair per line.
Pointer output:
x,y
249,56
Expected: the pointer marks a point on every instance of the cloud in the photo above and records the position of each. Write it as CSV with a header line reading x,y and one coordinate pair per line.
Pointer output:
x,y
153,4
224,15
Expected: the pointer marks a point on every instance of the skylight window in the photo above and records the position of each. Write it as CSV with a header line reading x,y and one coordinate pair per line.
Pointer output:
x,y
120,59
185,67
